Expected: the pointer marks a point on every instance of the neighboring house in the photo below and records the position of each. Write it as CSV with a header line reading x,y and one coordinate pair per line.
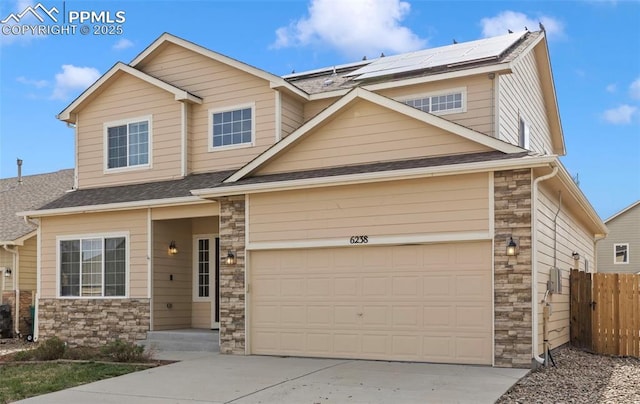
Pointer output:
x,y
18,239
620,251
358,211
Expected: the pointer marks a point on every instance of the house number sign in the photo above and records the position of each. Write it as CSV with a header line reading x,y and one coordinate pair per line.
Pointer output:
x,y
359,240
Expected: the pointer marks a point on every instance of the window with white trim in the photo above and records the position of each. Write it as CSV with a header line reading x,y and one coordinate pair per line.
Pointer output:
x,y
204,267
621,253
93,267
128,143
441,103
231,127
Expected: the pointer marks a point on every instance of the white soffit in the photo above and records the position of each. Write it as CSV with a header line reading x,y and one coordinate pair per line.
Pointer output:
x,y
450,55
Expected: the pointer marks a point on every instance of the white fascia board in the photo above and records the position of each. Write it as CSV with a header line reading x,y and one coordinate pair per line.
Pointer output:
x,y
580,198
108,207
180,94
633,205
363,178
497,69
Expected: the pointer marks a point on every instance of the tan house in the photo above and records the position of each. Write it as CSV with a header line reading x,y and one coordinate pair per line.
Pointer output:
x,y
19,240
359,211
620,251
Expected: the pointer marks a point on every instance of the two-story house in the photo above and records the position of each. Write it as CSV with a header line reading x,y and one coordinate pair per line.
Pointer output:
x,y
619,252
410,207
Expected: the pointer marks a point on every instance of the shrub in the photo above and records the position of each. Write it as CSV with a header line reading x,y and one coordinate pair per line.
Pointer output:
x,y
82,353
121,351
48,350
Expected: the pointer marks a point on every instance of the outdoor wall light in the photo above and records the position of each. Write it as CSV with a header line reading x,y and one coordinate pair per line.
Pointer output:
x,y
512,248
230,259
173,250
575,255
7,272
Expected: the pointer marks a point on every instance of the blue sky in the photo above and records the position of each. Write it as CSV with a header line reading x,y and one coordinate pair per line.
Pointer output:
x,y
594,46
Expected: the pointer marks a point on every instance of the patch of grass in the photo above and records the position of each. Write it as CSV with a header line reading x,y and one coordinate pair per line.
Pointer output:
x,y
19,381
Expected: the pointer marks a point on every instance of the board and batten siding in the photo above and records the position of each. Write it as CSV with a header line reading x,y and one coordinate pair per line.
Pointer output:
x,y
366,133
128,97
134,222
409,207
28,270
571,236
520,94
623,229
220,86
479,97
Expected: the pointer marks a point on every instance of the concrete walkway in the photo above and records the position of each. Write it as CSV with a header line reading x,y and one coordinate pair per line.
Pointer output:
x,y
215,378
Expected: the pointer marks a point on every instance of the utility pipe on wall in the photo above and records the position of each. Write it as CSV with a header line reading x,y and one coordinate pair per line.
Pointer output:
x,y
534,263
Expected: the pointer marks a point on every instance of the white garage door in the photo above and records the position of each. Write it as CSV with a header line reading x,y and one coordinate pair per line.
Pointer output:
x,y
427,303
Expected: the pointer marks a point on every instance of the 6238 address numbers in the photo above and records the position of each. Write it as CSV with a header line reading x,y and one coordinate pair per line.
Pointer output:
x,y
359,240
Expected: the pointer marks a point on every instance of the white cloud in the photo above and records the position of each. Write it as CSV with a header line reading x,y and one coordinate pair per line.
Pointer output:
x,y
122,44
73,78
515,21
31,82
634,89
355,27
621,115
611,88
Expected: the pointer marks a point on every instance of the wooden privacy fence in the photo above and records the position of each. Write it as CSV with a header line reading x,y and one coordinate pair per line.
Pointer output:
x,y
605,312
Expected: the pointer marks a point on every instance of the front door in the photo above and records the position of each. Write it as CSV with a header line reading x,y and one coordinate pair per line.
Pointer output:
x,y
206,275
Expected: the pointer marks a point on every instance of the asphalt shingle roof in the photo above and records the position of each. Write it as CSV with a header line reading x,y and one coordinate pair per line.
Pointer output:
x,y
139,192
35,191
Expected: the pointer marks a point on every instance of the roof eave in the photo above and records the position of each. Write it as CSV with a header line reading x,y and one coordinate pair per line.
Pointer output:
x,y
628,208
362,178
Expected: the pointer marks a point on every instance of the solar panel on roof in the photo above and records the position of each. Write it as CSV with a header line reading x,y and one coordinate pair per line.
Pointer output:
x,y
461,53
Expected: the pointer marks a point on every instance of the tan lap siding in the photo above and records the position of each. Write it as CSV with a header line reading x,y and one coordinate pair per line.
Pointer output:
x,y
521,94
623,229
27,271
478,115
571,236
134,222
421,206
127,98
366,133
292,114
219,86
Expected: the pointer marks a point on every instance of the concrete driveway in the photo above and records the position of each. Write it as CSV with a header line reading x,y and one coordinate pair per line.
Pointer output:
x,y
215,378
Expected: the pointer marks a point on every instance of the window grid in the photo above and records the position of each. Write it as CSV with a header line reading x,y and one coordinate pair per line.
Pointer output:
x,y
93,267
128,145
232,127
438,103
204,265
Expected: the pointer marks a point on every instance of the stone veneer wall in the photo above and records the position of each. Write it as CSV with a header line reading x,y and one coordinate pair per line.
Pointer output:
x,y
232,282
512,275
93,322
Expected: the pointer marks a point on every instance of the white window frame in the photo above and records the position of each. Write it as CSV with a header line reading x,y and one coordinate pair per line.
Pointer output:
x,y
122,122
232,108
524,133
212,267
615,245
88,236
461,90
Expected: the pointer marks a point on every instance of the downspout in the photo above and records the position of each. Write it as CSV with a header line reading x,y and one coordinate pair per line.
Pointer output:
x,y
534,269
16,314
35,299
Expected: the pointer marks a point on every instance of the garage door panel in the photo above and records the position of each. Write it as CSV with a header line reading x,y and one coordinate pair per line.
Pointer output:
x,y
414,303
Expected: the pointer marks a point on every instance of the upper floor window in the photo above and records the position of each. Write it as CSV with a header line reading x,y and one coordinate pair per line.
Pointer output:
x,y
231,127
621,253
93,266
128,143
524,134
439,103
